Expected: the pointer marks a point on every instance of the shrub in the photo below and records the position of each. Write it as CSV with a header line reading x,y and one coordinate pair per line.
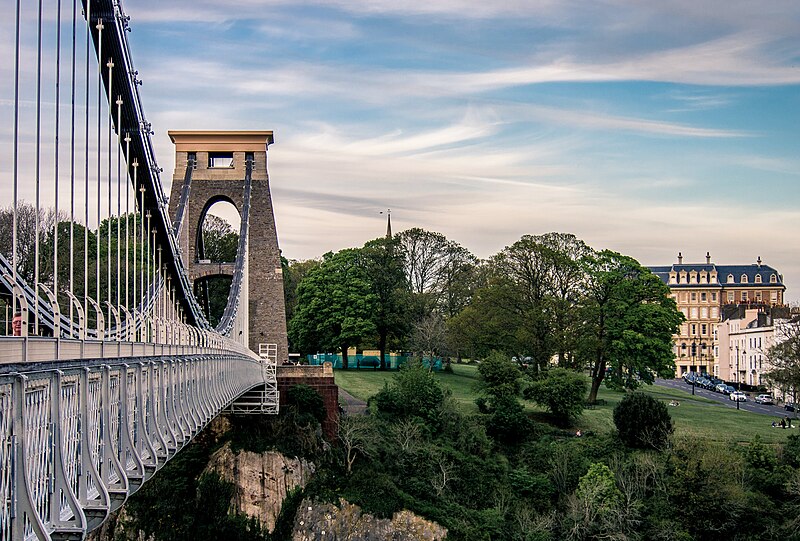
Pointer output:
x,y
307,402
642,421
562,392
413,392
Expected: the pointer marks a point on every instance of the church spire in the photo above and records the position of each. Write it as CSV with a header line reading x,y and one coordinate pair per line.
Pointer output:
x,y
388,223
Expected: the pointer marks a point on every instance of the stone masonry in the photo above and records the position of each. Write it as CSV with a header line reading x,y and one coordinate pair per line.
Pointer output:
x,y
210,185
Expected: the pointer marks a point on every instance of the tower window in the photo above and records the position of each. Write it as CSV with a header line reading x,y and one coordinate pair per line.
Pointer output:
x,y
220,160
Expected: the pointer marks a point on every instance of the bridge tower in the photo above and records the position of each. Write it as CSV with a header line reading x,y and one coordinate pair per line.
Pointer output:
x,y
218,174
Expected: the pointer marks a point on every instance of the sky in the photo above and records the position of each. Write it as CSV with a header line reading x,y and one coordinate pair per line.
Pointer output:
x,y
649,128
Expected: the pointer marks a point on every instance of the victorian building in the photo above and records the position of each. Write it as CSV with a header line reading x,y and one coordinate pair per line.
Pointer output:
x,y
702,292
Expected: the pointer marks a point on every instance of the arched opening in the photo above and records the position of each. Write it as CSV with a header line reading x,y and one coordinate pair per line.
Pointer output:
x,y
217,246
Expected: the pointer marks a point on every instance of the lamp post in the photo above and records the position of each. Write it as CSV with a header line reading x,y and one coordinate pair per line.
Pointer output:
x,y
738,380
694,363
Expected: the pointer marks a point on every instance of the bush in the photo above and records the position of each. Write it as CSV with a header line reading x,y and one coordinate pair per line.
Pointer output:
x,y
642,421
307,402
562,392
413,392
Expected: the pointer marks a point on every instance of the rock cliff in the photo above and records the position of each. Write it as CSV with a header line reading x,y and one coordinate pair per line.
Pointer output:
x,y
324,521
261,480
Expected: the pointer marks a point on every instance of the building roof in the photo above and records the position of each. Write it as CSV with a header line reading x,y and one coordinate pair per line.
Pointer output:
x,y
723,271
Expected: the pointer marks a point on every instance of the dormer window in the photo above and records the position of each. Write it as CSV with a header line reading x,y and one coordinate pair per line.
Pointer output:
x,y
672,278
758,278
744,278
773,279
730,278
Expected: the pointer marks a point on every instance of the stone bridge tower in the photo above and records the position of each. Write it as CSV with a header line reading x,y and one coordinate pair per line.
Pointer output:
x,y
219,175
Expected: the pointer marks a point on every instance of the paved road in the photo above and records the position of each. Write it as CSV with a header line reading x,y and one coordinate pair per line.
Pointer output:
x,y
772,411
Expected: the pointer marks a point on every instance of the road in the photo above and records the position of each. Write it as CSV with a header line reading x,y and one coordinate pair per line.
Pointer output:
x,y
772,411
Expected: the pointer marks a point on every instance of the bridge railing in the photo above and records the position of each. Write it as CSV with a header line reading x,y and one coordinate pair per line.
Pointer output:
x,y
78,437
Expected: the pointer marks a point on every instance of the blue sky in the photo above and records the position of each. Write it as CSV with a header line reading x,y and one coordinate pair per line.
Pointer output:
x,y
644,127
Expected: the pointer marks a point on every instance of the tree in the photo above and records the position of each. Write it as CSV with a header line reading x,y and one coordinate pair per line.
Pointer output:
x,y
562,392
628,323
423,255
358,438
784,358
429,337
382,262
642,421
219,241
293,273
335,305
566,276
499,376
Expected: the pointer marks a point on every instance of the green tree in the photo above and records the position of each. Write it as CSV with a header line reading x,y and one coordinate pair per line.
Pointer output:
x,y
293,273
596,509
784,359
562,392
382,261
335,305
642,421
628,323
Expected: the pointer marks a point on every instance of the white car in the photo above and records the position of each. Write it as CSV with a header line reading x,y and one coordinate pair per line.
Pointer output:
x,y
764,399
738,396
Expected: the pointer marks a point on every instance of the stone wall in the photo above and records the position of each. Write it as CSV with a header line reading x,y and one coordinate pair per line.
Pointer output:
x,y
319,378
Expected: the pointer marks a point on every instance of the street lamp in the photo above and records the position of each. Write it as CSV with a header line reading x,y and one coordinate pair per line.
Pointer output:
x,y
694,354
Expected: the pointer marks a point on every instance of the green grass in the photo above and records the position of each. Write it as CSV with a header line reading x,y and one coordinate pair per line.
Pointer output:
x,y
364,383
696,417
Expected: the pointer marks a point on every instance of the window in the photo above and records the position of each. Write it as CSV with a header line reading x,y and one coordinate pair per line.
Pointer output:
x,y
758,296
714,313
220,160
758,278
744,278
730,296
694,296
704,312
773,279
730,278
694,313
714,296
694,329
703,296
703,331
744,296
773,296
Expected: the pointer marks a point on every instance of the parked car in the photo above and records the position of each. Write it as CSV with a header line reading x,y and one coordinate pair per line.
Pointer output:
x,y
728,390
720,388
764,399
789,406
738,396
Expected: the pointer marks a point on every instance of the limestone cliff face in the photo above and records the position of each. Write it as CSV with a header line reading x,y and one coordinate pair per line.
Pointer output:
x,y
261,480
328,522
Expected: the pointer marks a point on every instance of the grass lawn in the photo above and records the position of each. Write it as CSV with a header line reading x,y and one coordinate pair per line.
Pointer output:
x,y
696,417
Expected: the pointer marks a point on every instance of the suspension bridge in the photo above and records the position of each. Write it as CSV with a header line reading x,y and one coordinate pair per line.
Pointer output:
x,y
109,364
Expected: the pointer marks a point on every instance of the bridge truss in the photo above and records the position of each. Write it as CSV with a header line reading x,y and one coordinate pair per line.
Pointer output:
x,y
112,366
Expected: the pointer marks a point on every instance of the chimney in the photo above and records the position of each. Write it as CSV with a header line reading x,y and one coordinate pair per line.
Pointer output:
x,y
680,258
759,262
708,258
